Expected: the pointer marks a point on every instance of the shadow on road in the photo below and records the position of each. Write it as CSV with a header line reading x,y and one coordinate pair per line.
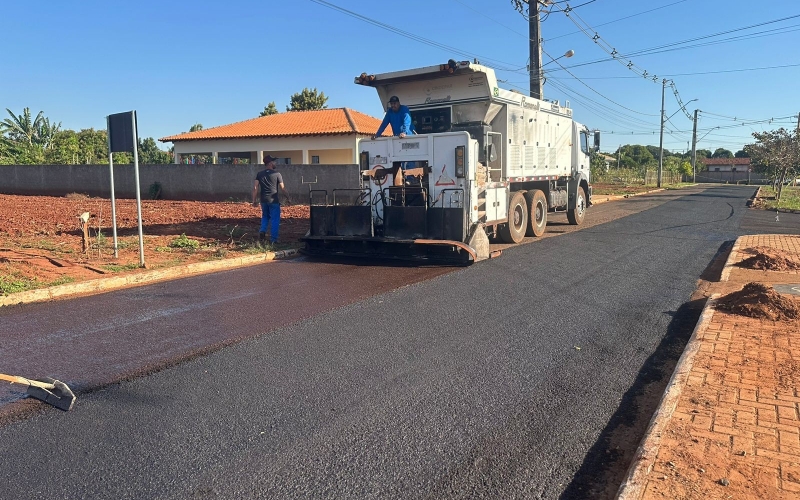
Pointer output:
x,y
606,464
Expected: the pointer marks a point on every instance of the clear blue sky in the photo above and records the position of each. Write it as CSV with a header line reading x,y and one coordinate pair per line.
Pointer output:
x,y
180,62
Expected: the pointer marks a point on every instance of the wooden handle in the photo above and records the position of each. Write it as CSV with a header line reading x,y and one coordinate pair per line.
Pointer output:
x,y
24,381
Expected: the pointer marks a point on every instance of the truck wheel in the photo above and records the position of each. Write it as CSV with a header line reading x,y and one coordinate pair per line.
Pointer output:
x,y
537,213
577,214
514,230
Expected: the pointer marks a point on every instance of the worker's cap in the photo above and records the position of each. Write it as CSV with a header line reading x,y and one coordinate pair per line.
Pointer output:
x,y
394,98
269,158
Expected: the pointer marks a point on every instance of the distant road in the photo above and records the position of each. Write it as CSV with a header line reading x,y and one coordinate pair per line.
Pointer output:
x,y
500,380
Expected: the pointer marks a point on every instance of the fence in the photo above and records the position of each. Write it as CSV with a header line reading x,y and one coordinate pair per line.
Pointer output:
x,y
177,182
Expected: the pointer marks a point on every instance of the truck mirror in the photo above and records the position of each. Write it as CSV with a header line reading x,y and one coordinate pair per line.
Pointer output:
x,y
492,154
597,140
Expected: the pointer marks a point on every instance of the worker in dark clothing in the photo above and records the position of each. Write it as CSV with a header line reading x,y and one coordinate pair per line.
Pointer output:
x,y
399,117
266,190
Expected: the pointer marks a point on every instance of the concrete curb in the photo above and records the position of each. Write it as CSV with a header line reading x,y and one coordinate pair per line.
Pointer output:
x,y
632,488
726,271
600,199
140,278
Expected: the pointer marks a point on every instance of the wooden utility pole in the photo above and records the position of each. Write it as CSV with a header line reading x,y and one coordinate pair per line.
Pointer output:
x,y
694,147
661,135
535,68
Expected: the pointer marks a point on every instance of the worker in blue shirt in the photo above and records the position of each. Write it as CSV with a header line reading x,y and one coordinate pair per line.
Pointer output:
x,y
400,118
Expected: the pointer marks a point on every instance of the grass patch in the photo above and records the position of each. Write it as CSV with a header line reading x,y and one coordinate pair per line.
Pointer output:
x,y
41,245
184,243
116,268
790,198
16,284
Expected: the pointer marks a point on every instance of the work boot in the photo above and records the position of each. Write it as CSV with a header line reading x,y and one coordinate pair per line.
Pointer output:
x,y
262,237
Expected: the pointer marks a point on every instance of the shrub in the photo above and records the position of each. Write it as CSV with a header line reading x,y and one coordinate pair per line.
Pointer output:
x,y
183,242
155,191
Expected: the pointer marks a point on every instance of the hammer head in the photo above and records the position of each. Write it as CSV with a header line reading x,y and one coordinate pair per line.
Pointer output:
x,y
59,396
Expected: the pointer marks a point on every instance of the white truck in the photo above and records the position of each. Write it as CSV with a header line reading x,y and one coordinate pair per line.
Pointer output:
x,y
485,162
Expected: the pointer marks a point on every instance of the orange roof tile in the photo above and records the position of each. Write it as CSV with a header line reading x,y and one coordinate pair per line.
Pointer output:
x,y
289,124
725,161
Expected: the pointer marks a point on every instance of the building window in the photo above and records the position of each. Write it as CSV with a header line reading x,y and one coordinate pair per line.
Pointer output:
x,y
315,159
716,169
733,169
285,161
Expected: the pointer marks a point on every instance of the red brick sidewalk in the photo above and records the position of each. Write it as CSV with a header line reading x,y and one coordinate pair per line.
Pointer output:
x,y
729,423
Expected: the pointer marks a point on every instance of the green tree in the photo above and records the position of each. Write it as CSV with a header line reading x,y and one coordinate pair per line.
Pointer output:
x,y
655,151
64,149
597,164
22,128
269,109
685,167
741,154
722,153
196,127
777,152
703,153
93,147
150,154
640,155
307,100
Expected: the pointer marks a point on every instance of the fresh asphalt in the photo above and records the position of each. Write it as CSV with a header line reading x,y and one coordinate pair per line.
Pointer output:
x,y
492,381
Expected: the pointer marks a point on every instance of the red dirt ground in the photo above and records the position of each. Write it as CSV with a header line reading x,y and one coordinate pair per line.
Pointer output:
x,y
41,240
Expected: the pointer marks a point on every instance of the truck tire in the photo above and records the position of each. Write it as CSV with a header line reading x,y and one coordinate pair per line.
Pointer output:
x,y
537,213
577,214
514,230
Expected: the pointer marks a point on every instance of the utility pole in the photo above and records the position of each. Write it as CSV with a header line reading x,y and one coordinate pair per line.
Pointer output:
x,y
661,135
535,69
694,147
619,151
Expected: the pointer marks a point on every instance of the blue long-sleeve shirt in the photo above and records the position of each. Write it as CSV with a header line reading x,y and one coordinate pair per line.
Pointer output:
x,y
400,121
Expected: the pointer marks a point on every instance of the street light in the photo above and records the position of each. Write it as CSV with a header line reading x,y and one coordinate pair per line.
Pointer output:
x,y
566,54
542,78
661,135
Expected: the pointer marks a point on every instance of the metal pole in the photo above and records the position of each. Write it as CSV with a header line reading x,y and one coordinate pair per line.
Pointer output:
x,y
661,135
619,152
694,147
138,193
535,69
113,199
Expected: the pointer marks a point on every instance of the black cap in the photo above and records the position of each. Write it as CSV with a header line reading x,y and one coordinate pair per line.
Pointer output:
x,y
394,98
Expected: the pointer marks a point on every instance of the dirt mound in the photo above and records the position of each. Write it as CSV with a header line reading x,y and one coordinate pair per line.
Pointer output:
x,y
770,259
757,300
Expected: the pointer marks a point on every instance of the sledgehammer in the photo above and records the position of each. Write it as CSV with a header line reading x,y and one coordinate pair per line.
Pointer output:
x,y
51,391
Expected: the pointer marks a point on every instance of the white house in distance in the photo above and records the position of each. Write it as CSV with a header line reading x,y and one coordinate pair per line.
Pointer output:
x,y
326,136
726,164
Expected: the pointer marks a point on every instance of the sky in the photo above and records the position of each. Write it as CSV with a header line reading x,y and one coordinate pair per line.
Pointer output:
x,y
182,62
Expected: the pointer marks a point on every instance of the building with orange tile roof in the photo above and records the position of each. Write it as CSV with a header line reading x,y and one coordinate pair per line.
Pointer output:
x,y
326,136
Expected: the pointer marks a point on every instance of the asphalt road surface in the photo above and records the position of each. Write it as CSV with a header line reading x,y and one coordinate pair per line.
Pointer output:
x,y
501,380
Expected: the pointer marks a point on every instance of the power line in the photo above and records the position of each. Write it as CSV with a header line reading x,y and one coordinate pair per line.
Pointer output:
x,y
595,91
621,19
690,74
657,49
407,34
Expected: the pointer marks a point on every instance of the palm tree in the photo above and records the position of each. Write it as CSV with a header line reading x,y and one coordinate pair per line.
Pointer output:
x,y
22,128
45,133
196,127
